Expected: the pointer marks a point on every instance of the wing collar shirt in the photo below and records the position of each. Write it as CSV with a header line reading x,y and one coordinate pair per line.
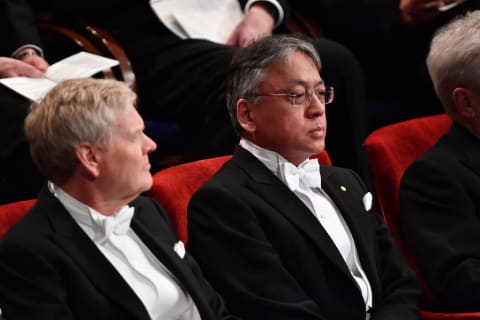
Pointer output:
x,y
305,182
162,295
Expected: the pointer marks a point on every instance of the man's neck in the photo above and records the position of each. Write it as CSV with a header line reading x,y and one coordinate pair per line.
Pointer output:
x,y
88,194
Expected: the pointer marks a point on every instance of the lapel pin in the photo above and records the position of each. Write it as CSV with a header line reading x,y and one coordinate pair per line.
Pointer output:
x,y
343,188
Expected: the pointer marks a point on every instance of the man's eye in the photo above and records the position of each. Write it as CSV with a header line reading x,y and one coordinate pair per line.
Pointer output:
x,y
298,95
299,98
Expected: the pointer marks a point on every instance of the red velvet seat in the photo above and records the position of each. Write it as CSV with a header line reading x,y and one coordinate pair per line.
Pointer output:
x,y
390,150
11,213
174,186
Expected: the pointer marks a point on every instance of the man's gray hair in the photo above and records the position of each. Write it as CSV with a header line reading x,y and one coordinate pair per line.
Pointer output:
x,y
454,57
249,66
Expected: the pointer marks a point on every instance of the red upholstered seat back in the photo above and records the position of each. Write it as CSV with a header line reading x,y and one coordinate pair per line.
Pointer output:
x,y
11,213
427,315
173,187
390,151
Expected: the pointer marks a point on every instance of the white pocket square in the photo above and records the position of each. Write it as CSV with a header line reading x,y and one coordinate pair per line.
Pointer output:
x,y
367,201
179,248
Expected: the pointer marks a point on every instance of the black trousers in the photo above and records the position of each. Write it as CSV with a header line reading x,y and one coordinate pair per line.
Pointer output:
x,y
19,178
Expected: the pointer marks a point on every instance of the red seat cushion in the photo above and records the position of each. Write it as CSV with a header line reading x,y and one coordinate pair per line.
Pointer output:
x,y
173,187
11,213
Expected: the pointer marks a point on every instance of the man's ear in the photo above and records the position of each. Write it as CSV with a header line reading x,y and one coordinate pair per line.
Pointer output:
x,y
245,116
88,158
463,99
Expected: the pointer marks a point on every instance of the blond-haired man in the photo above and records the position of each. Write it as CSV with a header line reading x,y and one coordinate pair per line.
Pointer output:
x,y
92,247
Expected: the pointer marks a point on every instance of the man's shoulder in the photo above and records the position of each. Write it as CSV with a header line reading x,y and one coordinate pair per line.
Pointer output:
x,y
148,206
32,230
149,210
230,169
231,179
443,154
450,147
142,201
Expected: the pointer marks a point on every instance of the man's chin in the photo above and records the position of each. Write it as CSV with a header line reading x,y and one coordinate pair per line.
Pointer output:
x,y
148,184
318,148
143,187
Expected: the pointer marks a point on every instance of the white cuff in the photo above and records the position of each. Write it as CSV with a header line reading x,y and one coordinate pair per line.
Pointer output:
x,y
277,5
32,46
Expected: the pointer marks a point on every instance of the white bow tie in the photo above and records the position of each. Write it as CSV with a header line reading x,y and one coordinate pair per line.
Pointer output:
x,y
308,173
117,224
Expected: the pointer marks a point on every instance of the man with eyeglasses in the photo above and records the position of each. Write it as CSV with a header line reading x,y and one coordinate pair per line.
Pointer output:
x,y
278,235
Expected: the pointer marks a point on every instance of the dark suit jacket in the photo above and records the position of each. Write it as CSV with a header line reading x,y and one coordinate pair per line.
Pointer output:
x,y
269,257
50,269
18,25
17,22
440,218
19,177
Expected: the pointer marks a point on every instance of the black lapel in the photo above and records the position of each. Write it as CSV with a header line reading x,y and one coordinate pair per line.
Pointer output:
x,y
76,244
347,196
272,190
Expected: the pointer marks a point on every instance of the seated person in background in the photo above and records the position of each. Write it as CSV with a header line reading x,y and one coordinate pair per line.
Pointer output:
x,y
277,235
440,192
91,247
20,55
183,79
19,179
391,39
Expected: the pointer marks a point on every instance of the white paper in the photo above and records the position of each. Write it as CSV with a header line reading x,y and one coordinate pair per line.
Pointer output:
x,y
212,20
32,88
164,11
79,65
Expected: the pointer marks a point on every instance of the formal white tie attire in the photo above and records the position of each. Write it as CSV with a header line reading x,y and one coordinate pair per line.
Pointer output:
x,y
305,182
162,295
307,173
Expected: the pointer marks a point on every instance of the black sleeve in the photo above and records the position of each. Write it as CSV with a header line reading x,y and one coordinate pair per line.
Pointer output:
x,y
440,224
17,25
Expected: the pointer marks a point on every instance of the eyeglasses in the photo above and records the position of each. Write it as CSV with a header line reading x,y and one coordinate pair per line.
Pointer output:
x,y
304,99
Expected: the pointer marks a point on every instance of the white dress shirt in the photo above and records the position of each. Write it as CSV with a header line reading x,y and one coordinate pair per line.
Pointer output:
x,y
161,293
323,208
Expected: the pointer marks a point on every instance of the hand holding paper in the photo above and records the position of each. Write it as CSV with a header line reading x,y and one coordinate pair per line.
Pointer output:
x,y
80,65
